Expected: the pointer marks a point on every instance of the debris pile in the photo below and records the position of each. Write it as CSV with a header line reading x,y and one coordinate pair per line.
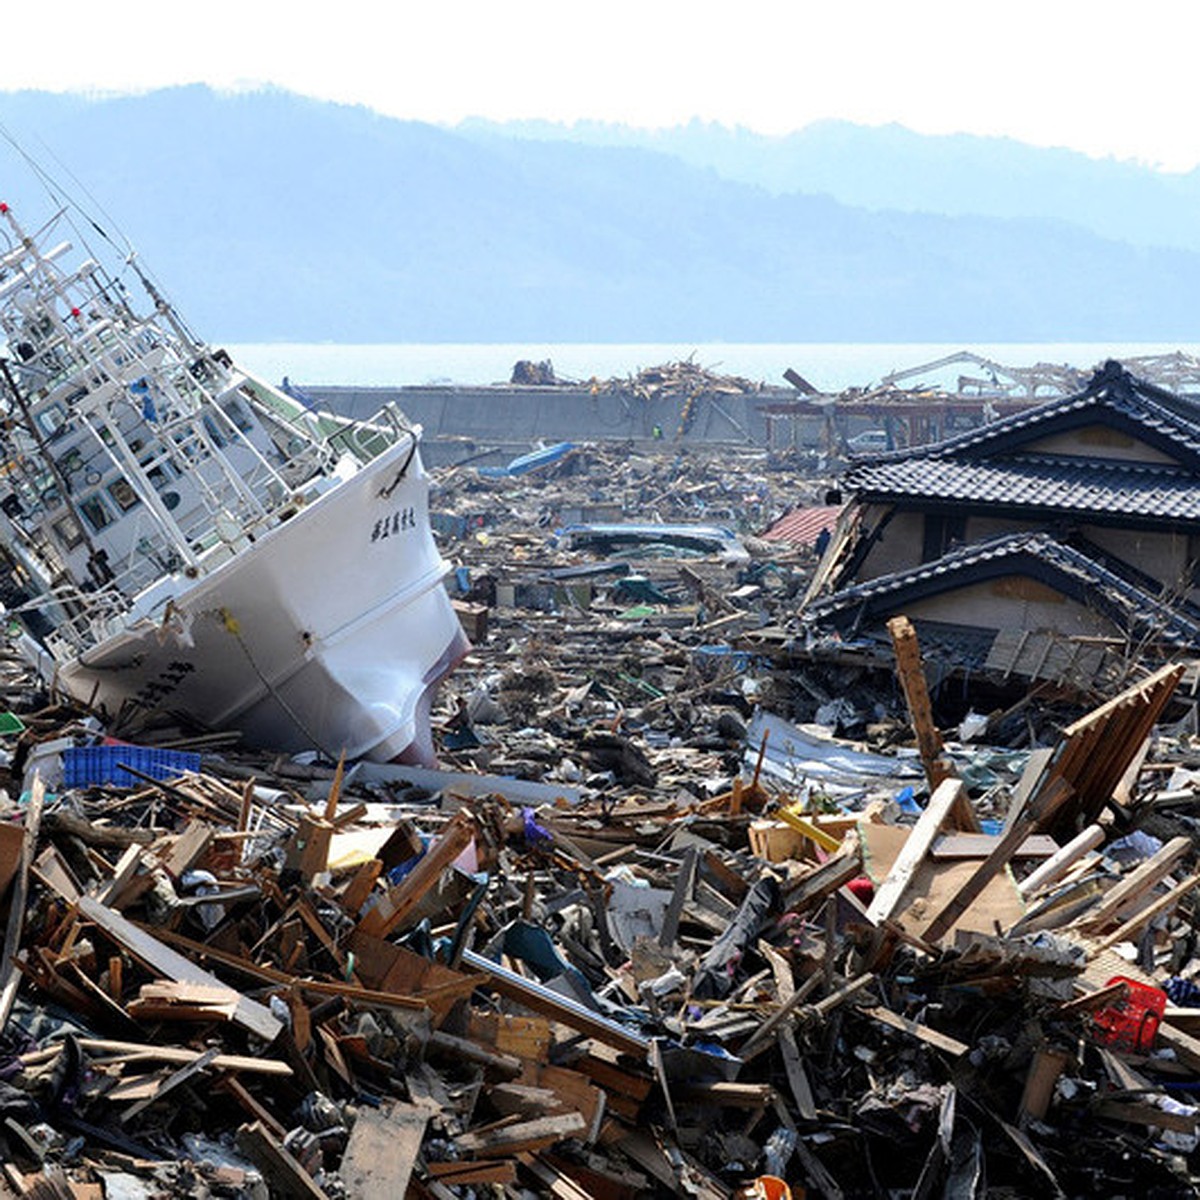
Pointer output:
x,y
755,964
657,926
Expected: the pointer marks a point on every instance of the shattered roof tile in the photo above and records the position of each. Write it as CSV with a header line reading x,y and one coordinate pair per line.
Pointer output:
x,y
1131,607
802,526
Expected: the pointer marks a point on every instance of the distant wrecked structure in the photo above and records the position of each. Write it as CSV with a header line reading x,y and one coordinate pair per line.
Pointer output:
x,y
1059,543
928,403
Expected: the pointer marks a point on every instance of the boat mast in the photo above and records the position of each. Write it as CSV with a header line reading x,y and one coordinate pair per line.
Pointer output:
x,y
97,560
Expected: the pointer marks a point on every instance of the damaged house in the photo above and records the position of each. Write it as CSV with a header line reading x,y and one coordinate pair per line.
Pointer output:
x,y
1057,543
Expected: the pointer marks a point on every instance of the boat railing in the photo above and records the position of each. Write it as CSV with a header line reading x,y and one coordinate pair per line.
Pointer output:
x,y
369,438
88,616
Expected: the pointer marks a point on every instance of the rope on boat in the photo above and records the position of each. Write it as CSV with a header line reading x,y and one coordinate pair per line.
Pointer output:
x,y
234,629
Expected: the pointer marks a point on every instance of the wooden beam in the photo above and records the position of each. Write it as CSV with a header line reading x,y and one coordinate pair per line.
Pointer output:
x,y
407,894
172,1081
558,1008
149,1052
284,1175
9,976
1137,883
1041,807
931,1037
1057,865
916,695
152,953
524,1135
891,891
1126,932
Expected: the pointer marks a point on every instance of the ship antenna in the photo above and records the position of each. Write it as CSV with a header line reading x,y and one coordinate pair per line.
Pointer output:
x,y
62,197
164,307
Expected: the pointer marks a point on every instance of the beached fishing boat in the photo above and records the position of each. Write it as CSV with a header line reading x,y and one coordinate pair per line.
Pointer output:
x,y
180,538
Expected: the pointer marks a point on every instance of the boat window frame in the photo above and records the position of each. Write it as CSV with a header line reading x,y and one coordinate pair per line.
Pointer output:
x,y
131,499
68,531
87,502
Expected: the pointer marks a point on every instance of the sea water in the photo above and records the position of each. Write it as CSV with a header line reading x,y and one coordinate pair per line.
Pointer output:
x,y
830,367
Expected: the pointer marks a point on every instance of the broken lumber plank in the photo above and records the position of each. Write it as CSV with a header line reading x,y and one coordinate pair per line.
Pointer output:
x,y
891,891
1049,799
524,1135
1055,867
9,976
681,894
822,880
51,869
125,870
361,885
184,1001
321,987
724,1094
1186,1047
402,899
284,1175
931,1037
1139,1112
781,1014
1136,884
560,1008
553,1181
679,1173
980,845
382,1151
152,953
307,849
188,848
505,1065
463,1174
809,1013
573,1090
1048,1064
1126,932
250,1104
916,695
148,1052
172,1081
797,1076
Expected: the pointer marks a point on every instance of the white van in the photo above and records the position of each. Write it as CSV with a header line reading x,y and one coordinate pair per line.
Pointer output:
x,y
870,441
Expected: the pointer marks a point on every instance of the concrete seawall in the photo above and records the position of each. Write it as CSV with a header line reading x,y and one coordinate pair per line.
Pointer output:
x,y
512,418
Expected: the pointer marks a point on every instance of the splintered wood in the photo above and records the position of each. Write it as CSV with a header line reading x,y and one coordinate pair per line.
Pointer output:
x,y
661,980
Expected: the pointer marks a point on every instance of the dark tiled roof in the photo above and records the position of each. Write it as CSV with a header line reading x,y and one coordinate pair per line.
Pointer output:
x,y
1065,484
1131,608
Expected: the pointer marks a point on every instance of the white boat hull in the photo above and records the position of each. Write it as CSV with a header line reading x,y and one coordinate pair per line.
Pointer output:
x,y
329,632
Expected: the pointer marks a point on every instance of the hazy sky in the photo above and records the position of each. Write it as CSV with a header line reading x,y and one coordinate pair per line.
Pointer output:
x,y
1100,77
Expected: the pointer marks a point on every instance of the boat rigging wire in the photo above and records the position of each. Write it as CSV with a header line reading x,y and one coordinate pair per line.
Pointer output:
x,y
62,197
70,205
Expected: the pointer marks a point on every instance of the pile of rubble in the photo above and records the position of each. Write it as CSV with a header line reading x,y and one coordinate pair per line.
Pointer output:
x,y
656,927
755,965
